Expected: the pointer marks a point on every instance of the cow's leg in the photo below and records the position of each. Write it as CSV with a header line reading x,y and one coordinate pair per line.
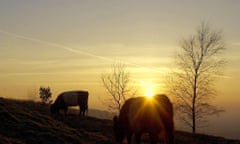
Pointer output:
x,y
80,110
129,138
169,136
83,112
153,138
138,137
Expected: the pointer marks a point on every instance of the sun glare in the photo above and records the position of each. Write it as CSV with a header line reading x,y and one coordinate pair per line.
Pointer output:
x,y
148,89
149,94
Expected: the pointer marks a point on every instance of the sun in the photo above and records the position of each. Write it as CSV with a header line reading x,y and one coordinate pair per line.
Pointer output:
x,y
149,93
148,89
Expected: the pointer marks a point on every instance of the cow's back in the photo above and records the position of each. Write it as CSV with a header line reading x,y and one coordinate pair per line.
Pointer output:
x,y
70,98
164,102
73,98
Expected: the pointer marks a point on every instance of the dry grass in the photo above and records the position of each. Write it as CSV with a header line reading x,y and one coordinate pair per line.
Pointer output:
x,y
27,122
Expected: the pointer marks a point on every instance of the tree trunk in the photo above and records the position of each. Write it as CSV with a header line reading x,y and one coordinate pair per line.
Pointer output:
x,y
193,121
193,102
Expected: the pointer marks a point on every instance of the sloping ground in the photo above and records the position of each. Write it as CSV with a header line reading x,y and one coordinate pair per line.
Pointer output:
x,y
30,122
26,122
188,138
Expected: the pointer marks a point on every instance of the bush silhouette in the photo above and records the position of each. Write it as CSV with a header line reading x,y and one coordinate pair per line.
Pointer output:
x,y
45,94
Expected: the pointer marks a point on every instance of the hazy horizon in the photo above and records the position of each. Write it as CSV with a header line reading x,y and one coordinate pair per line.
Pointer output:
x,y
67,45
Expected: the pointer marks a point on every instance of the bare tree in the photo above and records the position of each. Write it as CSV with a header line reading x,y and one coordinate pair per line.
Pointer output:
x,y
116,83
199,65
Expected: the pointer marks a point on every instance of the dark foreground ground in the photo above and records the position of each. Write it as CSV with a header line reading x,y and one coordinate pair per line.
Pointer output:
x,y
27,122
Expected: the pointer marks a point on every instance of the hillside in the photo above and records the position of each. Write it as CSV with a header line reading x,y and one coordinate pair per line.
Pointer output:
x,y
27,122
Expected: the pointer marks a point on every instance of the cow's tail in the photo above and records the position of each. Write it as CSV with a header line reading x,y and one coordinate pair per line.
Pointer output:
x,y
87,104
87,110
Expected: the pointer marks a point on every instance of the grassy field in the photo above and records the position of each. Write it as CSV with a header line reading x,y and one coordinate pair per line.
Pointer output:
x,y
27,122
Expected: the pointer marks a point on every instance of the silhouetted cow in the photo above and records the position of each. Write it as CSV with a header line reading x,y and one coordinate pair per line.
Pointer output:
x,y
71,98
141,115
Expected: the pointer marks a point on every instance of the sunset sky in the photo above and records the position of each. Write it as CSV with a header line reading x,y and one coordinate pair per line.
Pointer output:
x,y
67,45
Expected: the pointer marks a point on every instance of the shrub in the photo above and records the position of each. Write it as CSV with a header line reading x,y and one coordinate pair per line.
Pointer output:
x,y
45,94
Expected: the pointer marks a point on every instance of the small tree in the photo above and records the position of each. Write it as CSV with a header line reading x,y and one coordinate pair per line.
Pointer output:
x,y
116,84
199,63
45,94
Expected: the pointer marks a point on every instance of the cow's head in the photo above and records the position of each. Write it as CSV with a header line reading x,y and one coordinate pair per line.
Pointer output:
x,y
118,132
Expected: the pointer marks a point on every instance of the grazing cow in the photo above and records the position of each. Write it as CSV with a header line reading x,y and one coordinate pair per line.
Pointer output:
x,y
71,98
141,115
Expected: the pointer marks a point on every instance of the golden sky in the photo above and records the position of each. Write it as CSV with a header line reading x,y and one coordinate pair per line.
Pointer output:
x,y
68,45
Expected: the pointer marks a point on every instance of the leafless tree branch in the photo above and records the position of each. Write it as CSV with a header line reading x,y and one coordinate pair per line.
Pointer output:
x,y
116,84
193,84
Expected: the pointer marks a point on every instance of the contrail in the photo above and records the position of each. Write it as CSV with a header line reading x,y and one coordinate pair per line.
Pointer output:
x,y
72,49
54,45
80,52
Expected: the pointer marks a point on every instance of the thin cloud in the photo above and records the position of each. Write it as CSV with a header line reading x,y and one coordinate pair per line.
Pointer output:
x,y
235,43
73,50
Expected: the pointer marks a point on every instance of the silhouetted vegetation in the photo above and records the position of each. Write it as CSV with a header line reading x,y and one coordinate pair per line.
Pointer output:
x,y
45,94
116,83
199,64
28,122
